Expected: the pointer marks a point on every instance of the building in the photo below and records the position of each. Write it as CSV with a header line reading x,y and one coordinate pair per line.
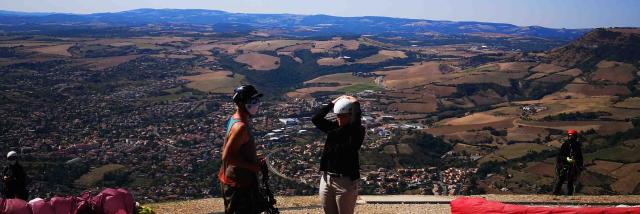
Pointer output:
x,y
289,121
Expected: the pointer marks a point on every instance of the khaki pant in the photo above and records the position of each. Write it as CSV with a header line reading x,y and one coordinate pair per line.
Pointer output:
x,y
338,194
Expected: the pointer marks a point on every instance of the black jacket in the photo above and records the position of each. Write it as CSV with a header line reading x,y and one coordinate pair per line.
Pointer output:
x,y
16,184
340,154
572,150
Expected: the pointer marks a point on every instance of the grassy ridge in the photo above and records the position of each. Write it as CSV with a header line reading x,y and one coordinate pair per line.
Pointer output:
x,y
352,89
95,176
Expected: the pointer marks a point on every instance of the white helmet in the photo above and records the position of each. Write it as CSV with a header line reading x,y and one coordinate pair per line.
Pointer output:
x,y
12,154
342,106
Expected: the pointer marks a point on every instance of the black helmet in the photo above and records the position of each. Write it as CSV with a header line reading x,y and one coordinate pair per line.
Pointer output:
x,y
244,93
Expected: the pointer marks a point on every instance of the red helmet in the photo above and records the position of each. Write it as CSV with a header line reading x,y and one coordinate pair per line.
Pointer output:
x,y
572,132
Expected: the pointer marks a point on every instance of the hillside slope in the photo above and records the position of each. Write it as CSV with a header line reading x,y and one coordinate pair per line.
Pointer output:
x,y
590,85
618,44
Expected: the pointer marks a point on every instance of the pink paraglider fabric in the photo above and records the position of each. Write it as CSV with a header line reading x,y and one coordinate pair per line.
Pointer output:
x,y
62,204
472,205
113,201
15,206
40,206
109,201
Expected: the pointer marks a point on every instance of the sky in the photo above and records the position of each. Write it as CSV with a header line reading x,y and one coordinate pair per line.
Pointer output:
x,y
547,13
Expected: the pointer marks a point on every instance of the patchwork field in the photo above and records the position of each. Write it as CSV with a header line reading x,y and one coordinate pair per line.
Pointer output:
x,y
588,104
445,130
628,177
106,62
55,50
629,103
479,98
23,43
627,184
259,62
343,82
356,88
526,134
471,149
604,167
520,149
571,72
625,153
614,72
541,169
419,74
602,127
382,56
331,62
141,42
174,56
594,90
341,78
426,107
308,91
270,45
525,66
500,78
547,68
226,48
457,50
40,58
336,43
478,118
220,82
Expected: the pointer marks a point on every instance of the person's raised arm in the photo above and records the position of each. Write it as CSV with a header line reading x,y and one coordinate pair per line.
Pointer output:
x,y
354,129
238,136
319,119
356,115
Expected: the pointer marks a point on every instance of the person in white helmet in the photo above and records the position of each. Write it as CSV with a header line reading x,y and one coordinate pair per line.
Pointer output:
x,y
14,178
339,163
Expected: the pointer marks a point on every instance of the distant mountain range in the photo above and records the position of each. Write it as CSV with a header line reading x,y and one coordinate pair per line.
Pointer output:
x,y
285,24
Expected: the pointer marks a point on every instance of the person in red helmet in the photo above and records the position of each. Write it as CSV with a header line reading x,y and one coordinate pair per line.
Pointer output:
x,y
568,163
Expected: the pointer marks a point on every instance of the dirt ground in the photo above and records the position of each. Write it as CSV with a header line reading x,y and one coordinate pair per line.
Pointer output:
x,y
311,204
